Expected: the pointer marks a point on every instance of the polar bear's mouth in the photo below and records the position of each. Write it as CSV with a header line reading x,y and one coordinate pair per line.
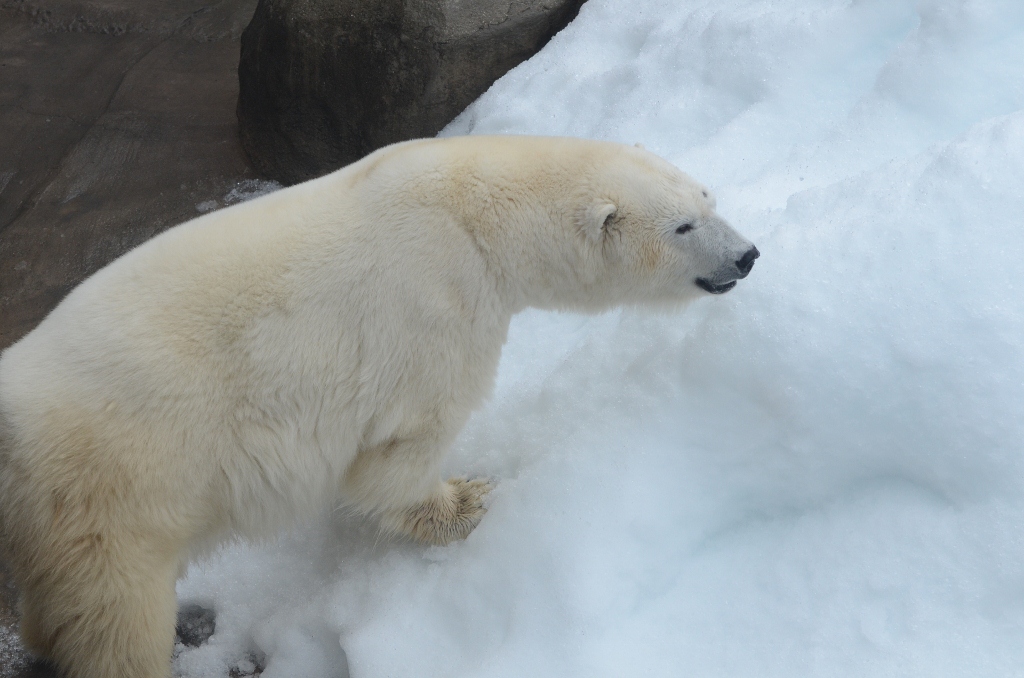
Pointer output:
x,y
715,288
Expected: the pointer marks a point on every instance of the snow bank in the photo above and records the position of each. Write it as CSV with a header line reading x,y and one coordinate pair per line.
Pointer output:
x,y
820,473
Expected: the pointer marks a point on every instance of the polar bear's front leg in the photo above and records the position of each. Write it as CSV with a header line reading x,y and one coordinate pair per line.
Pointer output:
x,y
399,482
450,515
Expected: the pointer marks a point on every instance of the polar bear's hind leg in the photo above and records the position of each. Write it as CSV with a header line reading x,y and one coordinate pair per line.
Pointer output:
x,y
94,556
107,611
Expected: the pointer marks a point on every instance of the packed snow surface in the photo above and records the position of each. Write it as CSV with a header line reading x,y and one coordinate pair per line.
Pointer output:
x,y
820,473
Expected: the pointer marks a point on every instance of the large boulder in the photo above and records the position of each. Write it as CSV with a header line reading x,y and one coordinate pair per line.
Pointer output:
x,y
325,82
117,118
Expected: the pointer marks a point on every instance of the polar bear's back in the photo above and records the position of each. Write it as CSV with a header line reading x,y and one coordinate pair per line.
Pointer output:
x,y
151,349
264,342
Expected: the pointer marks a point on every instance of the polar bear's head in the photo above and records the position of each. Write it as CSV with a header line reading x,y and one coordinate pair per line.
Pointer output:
x,y
576,223
654,231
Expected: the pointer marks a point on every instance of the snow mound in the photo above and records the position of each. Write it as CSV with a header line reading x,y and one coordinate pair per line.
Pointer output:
x,y
820,473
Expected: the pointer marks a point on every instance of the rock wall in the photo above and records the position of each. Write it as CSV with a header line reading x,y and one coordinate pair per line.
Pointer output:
x,y
116,120
325,82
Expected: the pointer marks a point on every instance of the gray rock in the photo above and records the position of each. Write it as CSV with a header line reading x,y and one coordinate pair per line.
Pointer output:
x,y
116,119
195,624
325,82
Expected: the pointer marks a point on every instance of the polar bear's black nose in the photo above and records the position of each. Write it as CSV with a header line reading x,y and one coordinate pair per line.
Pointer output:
x,y
747,261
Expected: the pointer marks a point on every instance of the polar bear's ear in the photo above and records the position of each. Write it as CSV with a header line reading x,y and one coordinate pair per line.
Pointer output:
x,y
596,219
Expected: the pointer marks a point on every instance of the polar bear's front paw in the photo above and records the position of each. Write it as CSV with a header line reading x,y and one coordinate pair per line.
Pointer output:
x,y
451,515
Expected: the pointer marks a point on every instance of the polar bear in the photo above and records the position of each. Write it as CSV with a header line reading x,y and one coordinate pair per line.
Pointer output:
x,y
324,343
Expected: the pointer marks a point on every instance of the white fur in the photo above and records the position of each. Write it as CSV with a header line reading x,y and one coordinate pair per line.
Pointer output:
x,y
323,343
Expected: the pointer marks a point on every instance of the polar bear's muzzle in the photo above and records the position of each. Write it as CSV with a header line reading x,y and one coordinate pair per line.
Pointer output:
x,y
724,280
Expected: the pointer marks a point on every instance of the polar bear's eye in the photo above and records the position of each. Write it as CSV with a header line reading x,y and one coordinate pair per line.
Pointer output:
x,y
684,228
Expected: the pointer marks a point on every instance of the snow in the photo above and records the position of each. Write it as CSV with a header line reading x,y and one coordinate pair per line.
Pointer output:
x,y
820,473
243,190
